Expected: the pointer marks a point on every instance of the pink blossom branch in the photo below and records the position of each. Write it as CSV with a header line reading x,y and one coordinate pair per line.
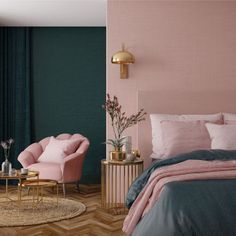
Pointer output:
x,y
119,121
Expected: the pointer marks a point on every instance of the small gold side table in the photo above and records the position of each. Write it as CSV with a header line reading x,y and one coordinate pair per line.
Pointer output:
x,y
116,178
38,185
17,176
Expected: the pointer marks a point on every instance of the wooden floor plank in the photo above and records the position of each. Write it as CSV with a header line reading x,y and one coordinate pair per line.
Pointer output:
x,y
94,222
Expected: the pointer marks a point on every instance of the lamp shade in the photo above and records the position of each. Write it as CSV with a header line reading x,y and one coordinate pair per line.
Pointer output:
x,y
123,57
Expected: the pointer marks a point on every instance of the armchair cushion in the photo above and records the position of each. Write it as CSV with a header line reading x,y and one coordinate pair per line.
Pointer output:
x,y
48,170
58,149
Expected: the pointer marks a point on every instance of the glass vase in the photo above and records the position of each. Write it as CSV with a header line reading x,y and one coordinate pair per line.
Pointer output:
x,y
127,147
6,166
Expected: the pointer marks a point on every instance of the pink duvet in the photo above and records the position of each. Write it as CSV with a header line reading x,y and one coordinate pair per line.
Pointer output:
x,y
187,170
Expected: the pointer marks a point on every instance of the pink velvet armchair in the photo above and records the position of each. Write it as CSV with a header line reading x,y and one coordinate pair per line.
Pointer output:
x,y
67,170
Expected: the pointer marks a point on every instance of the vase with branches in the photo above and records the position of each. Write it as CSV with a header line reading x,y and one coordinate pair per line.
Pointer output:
x,y
6,165
120,122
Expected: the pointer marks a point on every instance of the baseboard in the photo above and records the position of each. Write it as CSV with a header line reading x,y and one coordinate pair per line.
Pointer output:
x,y
90,179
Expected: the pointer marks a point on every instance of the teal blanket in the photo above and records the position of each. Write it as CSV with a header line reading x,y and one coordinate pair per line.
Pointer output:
x,y
210,155
200,207
192,208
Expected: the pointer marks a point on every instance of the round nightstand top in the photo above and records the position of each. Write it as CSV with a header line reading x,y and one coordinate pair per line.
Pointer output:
x,y
137,161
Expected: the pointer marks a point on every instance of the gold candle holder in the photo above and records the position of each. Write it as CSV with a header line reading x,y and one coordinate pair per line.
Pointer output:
x,y
136,153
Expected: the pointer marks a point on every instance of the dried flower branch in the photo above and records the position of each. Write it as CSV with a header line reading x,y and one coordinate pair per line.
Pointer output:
x,y
6,145
119,121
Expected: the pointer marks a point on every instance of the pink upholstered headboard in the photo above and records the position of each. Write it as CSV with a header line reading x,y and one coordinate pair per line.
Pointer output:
x,y
179,102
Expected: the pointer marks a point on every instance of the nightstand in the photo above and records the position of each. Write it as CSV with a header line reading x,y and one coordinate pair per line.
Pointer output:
x,y
117,176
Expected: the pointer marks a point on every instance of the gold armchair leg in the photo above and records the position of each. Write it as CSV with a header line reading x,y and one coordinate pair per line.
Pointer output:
x,y
64,189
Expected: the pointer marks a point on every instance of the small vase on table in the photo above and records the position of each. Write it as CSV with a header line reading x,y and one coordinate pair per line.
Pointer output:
x,y
6,165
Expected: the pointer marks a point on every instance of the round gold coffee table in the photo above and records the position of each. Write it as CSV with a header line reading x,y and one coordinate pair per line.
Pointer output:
x,y
17,176
37,186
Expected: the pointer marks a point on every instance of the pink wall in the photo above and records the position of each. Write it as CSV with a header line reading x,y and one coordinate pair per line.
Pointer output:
x,y
178,45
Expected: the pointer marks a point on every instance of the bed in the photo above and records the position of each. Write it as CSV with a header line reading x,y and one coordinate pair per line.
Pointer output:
x,y
192,193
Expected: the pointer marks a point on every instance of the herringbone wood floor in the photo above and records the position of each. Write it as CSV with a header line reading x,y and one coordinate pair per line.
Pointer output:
x,y
94,222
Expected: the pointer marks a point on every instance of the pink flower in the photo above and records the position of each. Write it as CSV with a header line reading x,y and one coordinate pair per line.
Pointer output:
x,y
119,121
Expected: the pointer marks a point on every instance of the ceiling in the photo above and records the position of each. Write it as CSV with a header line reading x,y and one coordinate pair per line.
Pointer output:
x,y
53,12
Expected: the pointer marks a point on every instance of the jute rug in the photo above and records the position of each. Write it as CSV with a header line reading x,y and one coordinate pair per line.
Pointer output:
x,y
47,211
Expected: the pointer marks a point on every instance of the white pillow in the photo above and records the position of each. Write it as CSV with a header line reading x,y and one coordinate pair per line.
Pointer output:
x,y
57,150
222,136
157,140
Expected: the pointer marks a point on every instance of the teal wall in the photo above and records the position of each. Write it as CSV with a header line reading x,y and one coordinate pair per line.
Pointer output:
x,y
68,87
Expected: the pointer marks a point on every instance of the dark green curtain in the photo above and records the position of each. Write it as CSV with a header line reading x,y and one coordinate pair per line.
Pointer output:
x,y
15,89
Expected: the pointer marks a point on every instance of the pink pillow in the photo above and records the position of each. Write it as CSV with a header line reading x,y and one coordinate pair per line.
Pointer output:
x,y
156,119
231,122
222,136
57,149
184,136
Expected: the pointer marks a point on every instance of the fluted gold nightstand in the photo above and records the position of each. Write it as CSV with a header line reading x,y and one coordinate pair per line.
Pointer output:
x,y
117,176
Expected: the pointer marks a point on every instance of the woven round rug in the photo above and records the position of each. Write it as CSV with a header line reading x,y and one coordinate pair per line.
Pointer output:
x,y
11,214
